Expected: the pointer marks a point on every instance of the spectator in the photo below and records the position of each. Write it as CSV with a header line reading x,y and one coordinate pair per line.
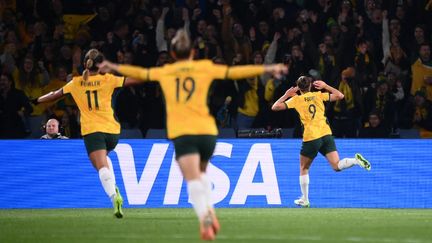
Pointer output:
x,y
422,71
381,100
223,117
365,68
347,112
417,113
317,34
252,106
14,105
52,128
373,128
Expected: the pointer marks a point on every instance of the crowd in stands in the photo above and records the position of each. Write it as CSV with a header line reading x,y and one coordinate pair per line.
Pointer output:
x,y
376,52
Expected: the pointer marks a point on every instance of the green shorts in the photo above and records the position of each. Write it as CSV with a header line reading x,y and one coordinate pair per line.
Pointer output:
x,y
100,140
324,145
191,144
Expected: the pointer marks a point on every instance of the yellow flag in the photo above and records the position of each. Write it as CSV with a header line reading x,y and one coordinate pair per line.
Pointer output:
x,y
73,22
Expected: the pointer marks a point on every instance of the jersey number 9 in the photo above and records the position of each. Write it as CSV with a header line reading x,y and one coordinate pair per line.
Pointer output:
x,y
312,110
186,86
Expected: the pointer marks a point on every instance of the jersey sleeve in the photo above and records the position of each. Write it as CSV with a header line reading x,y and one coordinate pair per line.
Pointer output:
x,y
134,72
244,71
218,71
67,89
117,81
291,102
325,96
155,74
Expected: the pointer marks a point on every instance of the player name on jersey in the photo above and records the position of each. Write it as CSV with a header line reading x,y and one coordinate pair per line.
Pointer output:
x,y
308,99
90,83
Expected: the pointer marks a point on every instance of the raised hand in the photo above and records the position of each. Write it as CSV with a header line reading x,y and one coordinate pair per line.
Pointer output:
x,y
291,91
276,36
278,70
106,67
319,84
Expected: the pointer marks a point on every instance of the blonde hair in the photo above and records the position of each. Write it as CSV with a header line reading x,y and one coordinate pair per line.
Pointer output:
x,y
92,57
181,44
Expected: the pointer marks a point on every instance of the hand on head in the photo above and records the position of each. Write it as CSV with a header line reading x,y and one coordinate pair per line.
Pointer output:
x,y
319,84
291,91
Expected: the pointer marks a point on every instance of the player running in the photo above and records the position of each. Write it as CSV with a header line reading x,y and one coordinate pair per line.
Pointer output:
x,y
317,135
190,125
93,93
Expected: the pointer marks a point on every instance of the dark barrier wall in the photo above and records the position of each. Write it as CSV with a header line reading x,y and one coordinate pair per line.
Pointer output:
x,y
246,173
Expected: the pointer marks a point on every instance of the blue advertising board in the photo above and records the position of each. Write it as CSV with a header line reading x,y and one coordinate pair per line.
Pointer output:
x,y
244,172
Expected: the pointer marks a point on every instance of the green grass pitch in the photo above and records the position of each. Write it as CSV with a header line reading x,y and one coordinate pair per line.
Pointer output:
x,y
237,225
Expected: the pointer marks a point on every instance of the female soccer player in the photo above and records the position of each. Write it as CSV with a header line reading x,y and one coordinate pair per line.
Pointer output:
x,y
317,135
93,93
190,126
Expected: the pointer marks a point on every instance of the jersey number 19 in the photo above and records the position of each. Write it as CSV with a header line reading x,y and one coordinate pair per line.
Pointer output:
x,y
186,86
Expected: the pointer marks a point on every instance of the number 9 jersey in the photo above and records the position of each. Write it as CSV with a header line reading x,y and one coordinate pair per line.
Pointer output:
x,y
95,99
310,107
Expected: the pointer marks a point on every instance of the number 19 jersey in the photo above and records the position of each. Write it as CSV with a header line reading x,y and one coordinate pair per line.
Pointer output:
x,y
95,100
186,86
310,107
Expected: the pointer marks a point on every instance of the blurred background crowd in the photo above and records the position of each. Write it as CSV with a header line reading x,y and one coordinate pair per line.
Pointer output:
x,y
377,52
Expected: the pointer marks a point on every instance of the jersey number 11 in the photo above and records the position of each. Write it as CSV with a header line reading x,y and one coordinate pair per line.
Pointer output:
x,y
89,101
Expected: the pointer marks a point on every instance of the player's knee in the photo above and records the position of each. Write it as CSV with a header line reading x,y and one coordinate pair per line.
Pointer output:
x,y
335,167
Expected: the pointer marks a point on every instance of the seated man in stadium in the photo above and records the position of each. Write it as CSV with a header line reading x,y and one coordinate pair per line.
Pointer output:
x,y
52,130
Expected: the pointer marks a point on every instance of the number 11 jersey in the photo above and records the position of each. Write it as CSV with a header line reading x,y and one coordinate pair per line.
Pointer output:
x,y
95,99
310,107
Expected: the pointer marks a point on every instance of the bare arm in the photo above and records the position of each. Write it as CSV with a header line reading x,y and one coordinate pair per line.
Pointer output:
x,y
51,96
137,74
334,93
161,43
132,81
280,105
270,56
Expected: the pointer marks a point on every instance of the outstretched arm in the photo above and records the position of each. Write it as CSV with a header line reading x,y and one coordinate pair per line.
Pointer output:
x,y
248,71
334,93
280,105
51,96
126,70
132,81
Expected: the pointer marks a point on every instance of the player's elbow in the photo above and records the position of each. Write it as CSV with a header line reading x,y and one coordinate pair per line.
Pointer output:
x,y
277,107
340,96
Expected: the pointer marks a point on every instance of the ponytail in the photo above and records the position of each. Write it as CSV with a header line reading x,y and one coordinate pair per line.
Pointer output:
x,y
91,58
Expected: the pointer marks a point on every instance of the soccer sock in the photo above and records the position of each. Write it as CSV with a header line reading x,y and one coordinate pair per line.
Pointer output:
x,y
208,190
346,163
196,191
304,186
106,178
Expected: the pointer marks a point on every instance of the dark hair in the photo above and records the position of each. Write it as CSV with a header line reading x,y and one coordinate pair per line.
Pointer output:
x,y
181,44
361,41
303,83
10,78
91,59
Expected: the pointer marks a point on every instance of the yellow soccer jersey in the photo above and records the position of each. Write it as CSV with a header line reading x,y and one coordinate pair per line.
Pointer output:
x,y
251,103
94,99
185,85
310,107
